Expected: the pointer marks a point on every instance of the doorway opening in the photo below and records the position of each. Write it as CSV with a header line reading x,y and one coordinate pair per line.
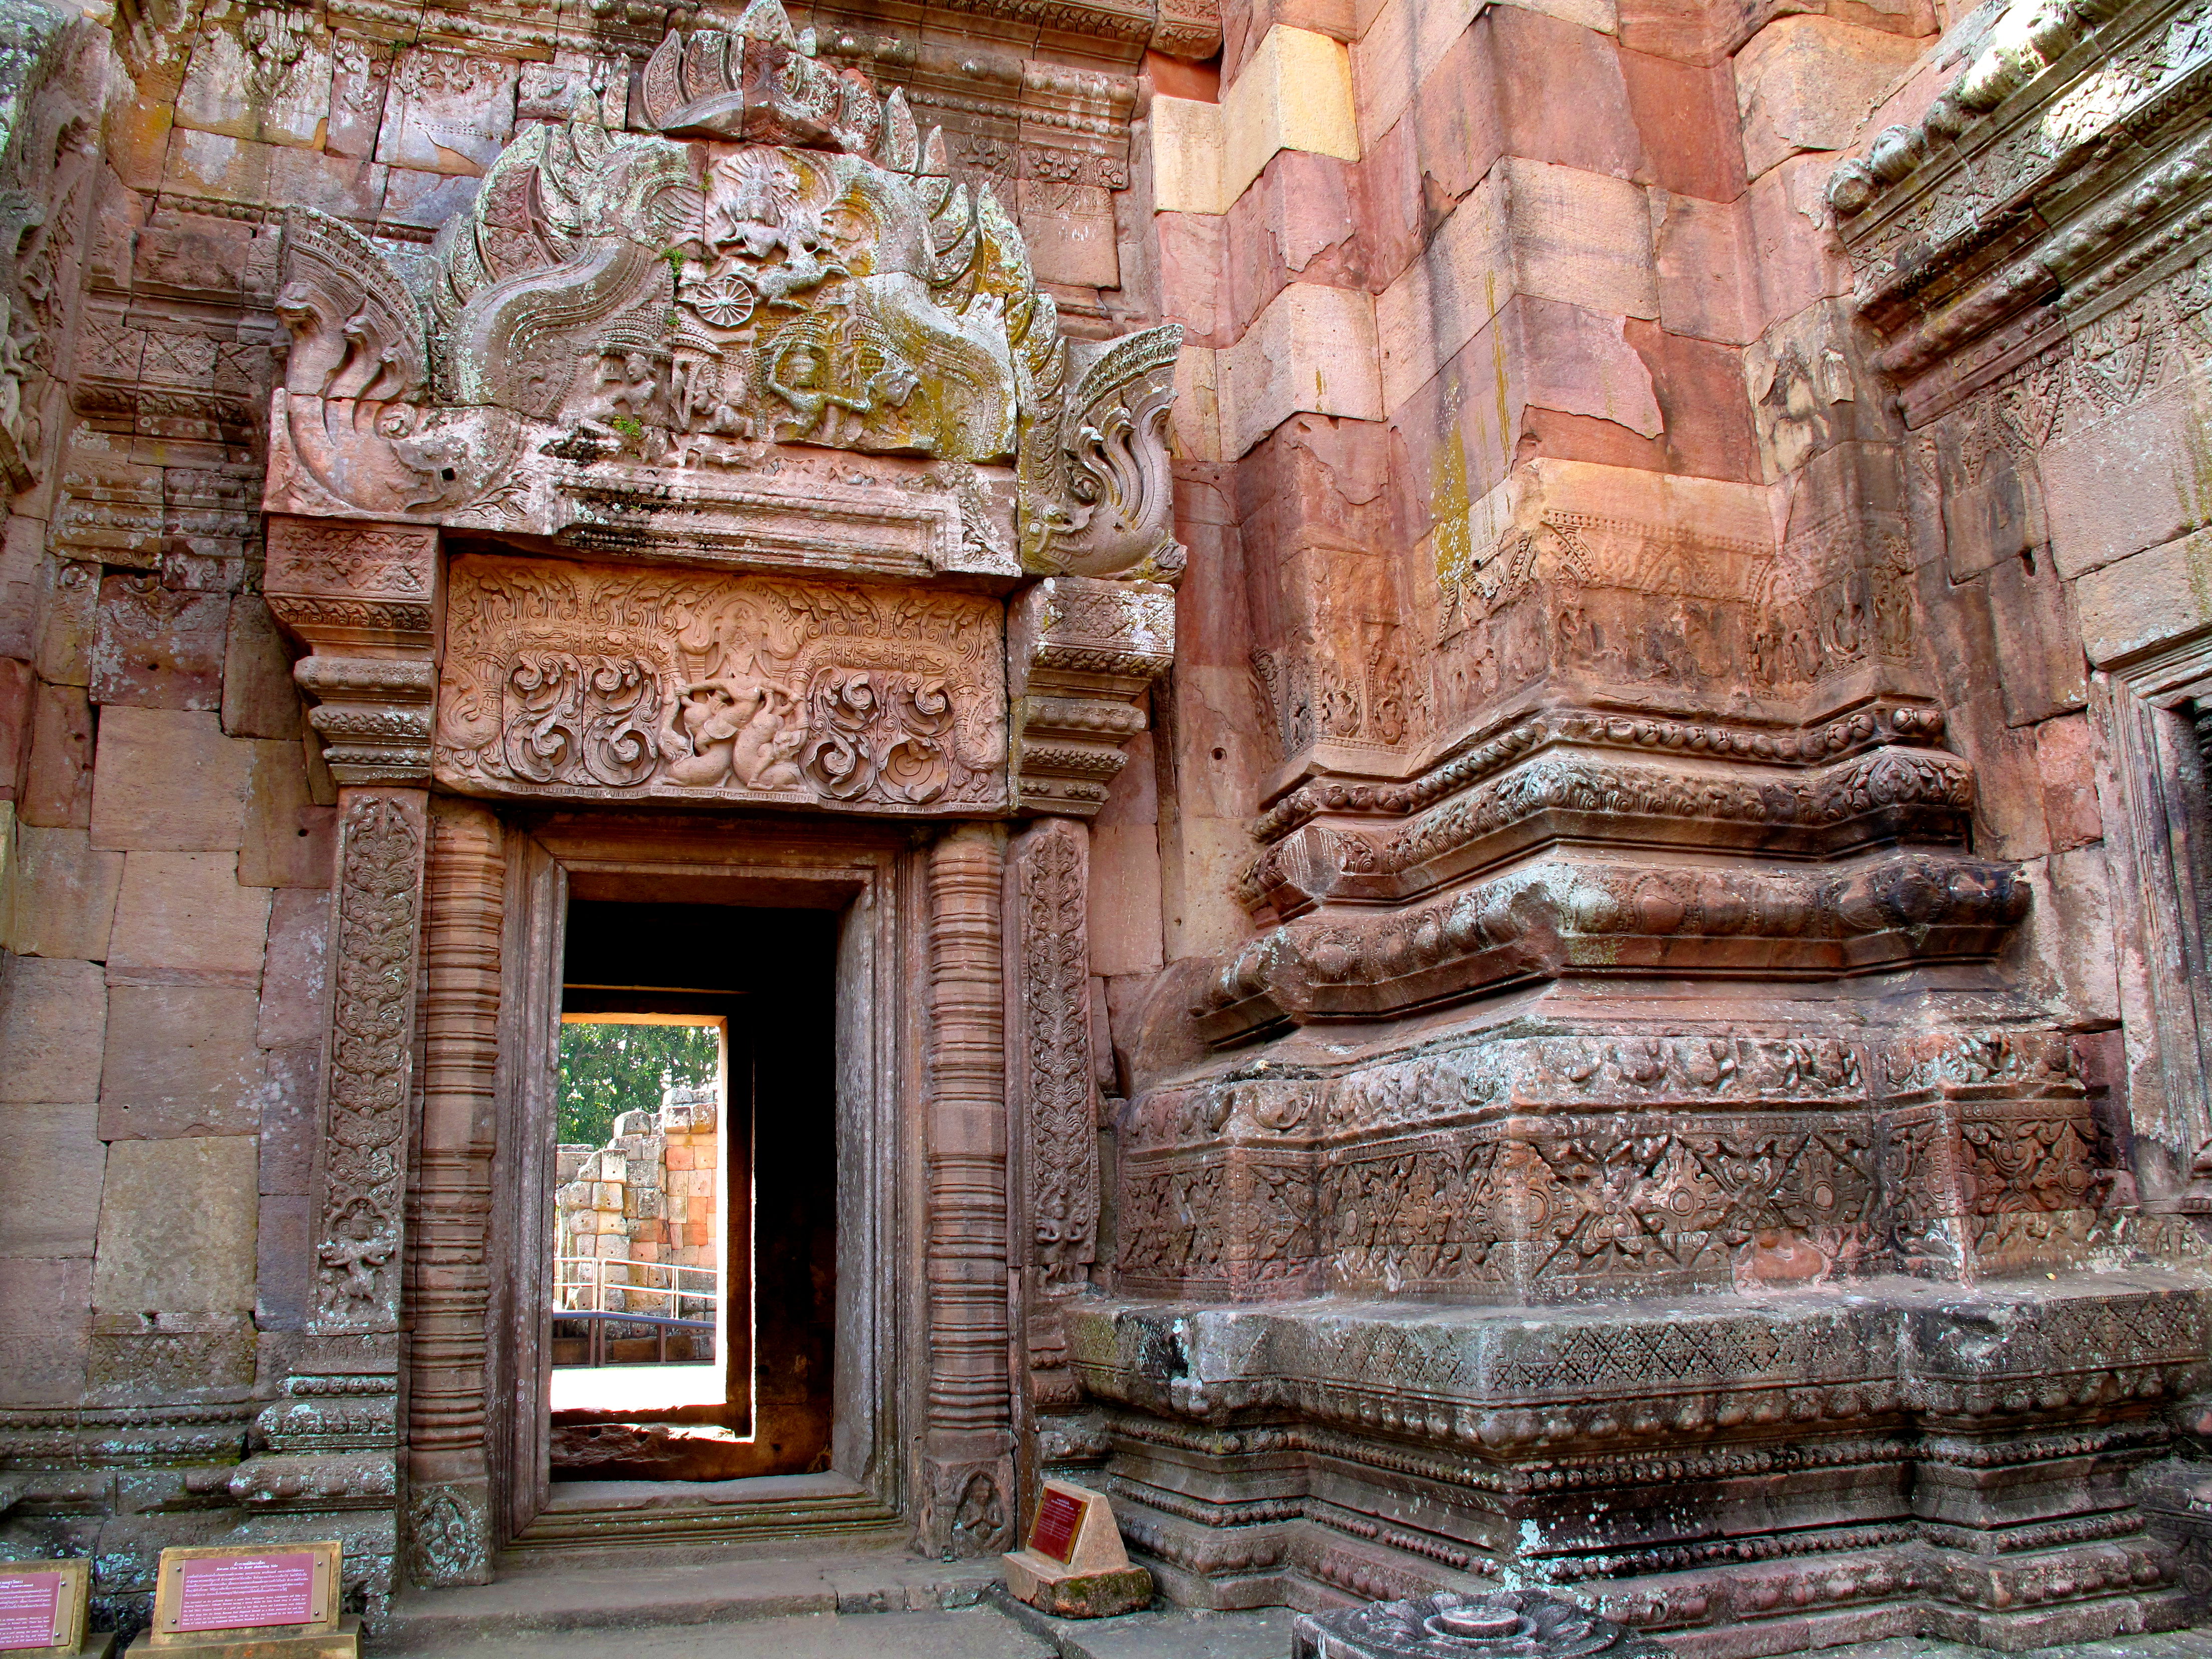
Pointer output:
x,y
692,1283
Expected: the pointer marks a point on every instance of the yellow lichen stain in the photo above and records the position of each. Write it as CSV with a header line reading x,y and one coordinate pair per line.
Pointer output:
x,y
1448,503
1497,369
2194,486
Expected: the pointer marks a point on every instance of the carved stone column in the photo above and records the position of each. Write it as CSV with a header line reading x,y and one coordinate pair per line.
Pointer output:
x,y
1081,654
362,597
1051,1110
449,1535
967,1476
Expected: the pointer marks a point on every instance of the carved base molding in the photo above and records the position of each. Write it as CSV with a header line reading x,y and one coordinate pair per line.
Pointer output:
x,y
1545,1168
1922,1462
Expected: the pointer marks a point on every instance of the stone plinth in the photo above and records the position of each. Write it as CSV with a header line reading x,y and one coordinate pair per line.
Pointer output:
x,y
1073,1566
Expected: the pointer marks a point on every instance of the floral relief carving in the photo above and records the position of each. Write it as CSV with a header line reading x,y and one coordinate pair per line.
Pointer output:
x,y
594,682
372,1025
1061,1156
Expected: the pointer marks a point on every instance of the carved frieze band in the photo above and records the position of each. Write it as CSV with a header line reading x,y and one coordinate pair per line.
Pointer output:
x,y
581,682
369,1065
1554,1167
449,1281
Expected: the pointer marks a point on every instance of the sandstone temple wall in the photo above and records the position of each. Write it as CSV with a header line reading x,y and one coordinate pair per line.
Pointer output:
x,y
1615,901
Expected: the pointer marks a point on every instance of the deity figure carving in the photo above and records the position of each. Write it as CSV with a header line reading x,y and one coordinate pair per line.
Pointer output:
x,y
788,260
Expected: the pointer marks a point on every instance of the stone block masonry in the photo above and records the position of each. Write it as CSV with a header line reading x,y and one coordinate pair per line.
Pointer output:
x,y
1503,709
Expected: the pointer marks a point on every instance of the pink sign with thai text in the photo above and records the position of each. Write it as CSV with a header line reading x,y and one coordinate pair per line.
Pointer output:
x,y
243,1592
30,1610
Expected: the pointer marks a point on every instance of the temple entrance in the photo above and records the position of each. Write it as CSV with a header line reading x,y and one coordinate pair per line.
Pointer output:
x,y
692,1282
700,1238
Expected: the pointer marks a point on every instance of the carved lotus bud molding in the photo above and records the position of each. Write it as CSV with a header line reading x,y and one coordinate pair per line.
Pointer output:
x,y
628,340
1500,1624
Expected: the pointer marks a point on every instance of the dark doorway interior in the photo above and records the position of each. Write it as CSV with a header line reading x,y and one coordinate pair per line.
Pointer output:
x,y
771,974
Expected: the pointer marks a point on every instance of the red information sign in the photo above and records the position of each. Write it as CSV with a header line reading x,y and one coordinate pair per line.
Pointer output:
x,y
30,1610
243,1592
1059,1514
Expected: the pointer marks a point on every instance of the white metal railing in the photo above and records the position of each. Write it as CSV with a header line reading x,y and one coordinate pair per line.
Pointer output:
x,y
582,1285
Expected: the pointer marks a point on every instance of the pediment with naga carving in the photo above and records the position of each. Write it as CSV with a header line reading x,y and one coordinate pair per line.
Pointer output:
x,y
774,332
749,436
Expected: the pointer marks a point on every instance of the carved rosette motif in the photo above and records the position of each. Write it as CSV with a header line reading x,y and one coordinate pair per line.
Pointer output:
x,y
583,682
370,1060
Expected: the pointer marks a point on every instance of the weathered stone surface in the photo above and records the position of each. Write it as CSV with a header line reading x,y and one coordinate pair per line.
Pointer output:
x,y
1312,350
1446,1627
168,780
157,647
43,1329
1620,844
258,698
53,1015
1804,82
2145,600
179,1060
1531,228
186,917
57,784
176,1229
65,895
49,1185
288,840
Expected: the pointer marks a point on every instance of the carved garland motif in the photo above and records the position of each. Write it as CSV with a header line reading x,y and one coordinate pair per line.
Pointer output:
x,y
579,681
1061,1121
371,1029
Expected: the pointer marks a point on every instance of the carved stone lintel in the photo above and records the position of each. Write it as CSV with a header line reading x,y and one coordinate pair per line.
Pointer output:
x,y
364,597
1081,652
449,1285
967,1477
600,683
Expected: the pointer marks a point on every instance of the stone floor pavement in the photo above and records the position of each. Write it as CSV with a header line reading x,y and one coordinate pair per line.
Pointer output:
x,y
986,1632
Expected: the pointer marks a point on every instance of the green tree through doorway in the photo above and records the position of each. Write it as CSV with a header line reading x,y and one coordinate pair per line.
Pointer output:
x,y
608,1069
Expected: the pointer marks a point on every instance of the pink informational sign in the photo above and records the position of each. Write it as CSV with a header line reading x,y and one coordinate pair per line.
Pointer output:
x,y
30,1609
243,1592
1059,1514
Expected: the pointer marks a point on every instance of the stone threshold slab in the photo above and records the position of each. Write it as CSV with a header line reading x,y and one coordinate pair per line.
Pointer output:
x,y
1164,1632
707,1587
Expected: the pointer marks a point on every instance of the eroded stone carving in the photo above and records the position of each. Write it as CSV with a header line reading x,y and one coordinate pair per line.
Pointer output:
x,y
1501,1625
614,306
372,1026
604,683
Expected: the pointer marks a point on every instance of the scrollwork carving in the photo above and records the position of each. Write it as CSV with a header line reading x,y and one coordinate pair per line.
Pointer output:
x,y
600,683
372,1028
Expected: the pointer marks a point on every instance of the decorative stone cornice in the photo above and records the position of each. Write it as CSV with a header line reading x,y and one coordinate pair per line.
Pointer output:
x,y
364,597
1081,654
1880,722
2064,170
1573,915
1875,795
